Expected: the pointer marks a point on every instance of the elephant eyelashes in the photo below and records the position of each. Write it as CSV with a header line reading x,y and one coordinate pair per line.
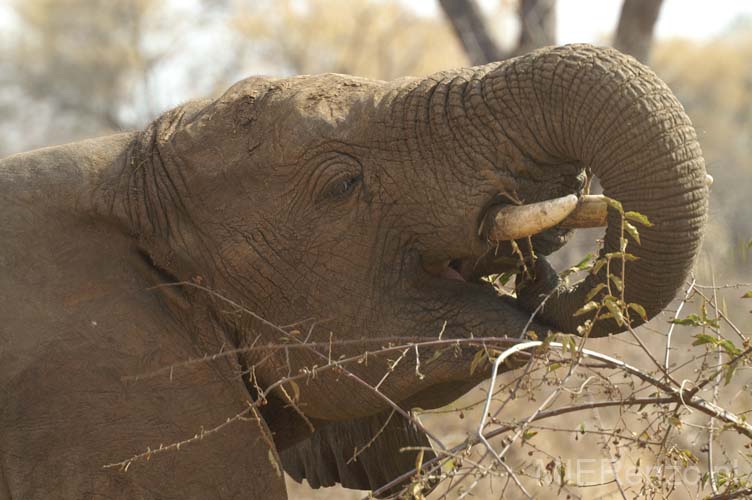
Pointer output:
x,y
342,187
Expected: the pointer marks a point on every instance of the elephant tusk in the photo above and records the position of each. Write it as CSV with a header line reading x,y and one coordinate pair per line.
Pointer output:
x,y
520,221
569,212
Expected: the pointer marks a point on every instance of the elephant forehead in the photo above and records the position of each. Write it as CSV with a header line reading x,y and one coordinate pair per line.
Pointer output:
x,y
321,104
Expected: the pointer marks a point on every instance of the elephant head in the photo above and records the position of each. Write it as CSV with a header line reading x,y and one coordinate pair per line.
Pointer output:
x,y
357,211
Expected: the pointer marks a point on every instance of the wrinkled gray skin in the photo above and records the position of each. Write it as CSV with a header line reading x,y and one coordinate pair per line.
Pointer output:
x,y
331,199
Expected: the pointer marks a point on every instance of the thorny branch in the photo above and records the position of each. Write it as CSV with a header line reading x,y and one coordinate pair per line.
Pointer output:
x,y
669,389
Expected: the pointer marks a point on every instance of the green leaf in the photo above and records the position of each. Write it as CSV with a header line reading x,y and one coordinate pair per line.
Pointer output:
x,y
690,457
504,278
572,345
639,218
639,310
617,281
729,347
592,293
590,306
729,374
725,344
615,311
629,228
616,205
628,257
721,480
580,266
568,344
448,466
598,265
583,264
528,435
695,320
703,338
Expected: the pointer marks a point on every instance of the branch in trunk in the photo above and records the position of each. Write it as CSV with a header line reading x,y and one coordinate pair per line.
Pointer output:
x,y
634,34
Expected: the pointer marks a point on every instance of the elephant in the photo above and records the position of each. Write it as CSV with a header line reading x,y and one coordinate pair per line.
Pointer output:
x,y
157,284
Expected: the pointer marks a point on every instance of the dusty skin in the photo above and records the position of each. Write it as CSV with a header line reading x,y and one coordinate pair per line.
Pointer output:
x,y
345,210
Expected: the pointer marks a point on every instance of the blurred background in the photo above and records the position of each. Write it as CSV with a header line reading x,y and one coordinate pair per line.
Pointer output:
x,y
71,69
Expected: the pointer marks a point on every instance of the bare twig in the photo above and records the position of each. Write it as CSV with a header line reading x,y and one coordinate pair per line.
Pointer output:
x,y
667,354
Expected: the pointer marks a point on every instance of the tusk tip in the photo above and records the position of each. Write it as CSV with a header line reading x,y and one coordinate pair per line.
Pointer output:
x,y
569,200
708,180
521,221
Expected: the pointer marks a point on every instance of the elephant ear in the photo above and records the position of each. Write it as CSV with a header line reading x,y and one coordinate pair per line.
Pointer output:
x,y
363,454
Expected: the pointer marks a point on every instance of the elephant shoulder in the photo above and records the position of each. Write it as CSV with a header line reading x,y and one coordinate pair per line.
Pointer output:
x,y
84,408
86,350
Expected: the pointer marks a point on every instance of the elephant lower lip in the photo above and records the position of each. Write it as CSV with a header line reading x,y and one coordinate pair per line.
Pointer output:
x,y
448,270
451,274
471,269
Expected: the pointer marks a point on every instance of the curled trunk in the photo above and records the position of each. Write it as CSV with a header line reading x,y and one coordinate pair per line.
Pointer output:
x,y
612,115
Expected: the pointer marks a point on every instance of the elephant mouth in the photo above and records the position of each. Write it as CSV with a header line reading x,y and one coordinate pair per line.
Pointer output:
x,y
473,270
542,221
504,223
453,270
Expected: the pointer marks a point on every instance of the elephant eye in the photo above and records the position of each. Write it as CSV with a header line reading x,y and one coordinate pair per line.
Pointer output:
x,y
343,186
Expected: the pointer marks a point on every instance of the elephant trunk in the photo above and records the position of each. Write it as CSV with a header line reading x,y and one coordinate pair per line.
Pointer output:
x,y
609,113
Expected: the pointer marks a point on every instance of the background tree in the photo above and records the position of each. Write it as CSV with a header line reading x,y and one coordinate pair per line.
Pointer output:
x,y
634,33
86,67
537,22
86,60
381,40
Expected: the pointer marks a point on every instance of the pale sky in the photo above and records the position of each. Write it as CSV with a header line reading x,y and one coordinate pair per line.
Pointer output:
x,y
590,20
585,20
